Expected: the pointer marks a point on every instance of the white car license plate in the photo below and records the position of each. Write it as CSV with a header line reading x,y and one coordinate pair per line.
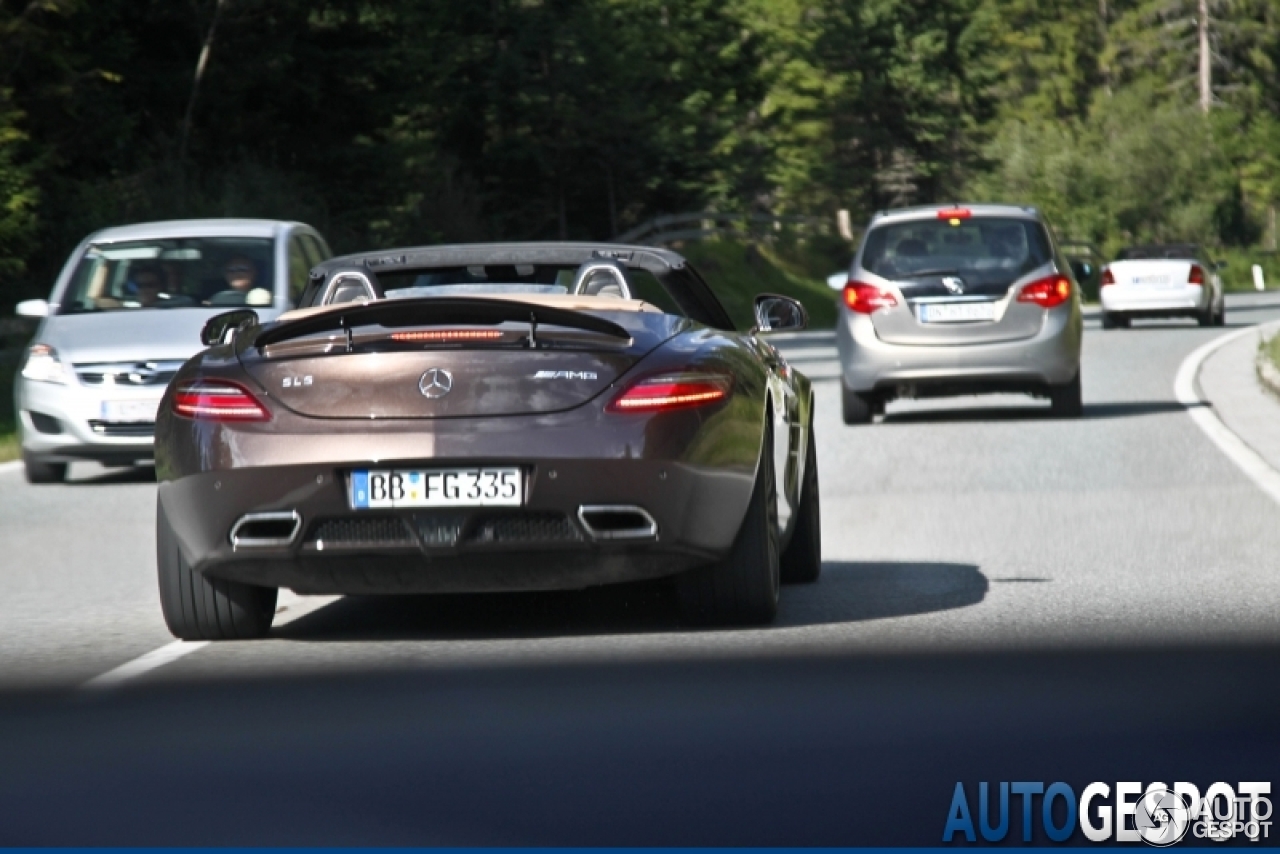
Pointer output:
x,y
466,487
130,410
957,312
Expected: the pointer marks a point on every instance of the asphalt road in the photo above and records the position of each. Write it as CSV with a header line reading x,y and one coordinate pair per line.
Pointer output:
x,y
1002,593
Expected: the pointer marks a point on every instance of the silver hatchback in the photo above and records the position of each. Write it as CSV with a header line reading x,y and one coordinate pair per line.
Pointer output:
x,y
959,300
124,315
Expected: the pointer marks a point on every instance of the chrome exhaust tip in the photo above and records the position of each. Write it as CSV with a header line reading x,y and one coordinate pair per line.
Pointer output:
x,y
266,530
617,522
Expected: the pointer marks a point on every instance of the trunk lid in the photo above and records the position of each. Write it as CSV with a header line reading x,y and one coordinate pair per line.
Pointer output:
x,y
1151,276
990,298
494,372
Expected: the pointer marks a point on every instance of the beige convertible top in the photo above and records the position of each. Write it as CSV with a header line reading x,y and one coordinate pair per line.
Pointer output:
x,y
571,302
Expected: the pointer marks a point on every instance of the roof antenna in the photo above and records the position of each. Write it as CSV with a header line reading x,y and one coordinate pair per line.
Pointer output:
x,y
533,331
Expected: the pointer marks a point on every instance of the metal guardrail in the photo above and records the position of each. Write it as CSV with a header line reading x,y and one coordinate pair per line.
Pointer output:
x,y
662,230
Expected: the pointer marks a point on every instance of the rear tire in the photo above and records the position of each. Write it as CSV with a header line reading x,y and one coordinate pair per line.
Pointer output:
x,y
197,607
856,408
1220,319
1109,320
43,471
1207,317
741,589
1067,401
801,562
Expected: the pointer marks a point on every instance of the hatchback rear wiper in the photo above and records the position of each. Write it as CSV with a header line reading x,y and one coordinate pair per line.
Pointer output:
x,y
931,273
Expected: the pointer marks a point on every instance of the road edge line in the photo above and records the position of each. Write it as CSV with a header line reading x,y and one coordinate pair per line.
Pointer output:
x,y
1236,449
144,663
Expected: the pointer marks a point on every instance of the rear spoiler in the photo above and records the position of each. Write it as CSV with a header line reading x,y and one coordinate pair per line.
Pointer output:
x,y
439,311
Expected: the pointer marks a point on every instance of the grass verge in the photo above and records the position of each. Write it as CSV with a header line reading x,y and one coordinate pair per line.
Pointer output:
x,y
9,449
1238,275
738,272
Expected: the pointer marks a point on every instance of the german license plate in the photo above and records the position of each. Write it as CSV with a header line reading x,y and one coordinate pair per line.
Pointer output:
x,y
130,410
459,487
957,312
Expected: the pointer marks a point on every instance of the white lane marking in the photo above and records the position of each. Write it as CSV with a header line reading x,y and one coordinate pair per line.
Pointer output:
x,y
1184,389
289,607
143,664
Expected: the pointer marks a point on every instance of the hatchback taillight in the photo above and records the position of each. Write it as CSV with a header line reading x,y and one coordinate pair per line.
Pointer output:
x,y
217,400
673,390
1196,275
1047,292
867,299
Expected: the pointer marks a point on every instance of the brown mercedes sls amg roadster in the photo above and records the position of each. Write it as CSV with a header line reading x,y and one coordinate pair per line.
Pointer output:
x,y
514,417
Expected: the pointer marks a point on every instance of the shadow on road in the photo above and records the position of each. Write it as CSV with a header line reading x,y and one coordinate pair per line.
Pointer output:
x,y
847,592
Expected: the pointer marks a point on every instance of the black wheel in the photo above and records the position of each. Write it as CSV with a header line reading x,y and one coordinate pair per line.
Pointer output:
x,y
1108,320
741,589
1220,319
43,471
801,561
856,408
1206,317
1067,400
200,608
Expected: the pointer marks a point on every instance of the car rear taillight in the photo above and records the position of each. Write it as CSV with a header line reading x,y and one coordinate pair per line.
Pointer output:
x,y
1046,292
217,400
867,299
1107,278
954,213
675,390
448,335
1196,275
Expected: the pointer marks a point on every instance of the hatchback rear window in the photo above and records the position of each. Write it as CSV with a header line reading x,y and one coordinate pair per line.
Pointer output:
x,y
990,245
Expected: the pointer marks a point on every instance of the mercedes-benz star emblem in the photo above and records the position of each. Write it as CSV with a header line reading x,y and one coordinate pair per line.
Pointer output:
x,y
435,383
954,284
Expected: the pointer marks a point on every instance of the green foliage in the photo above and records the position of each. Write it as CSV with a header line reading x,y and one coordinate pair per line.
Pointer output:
x,y
738,272
393,122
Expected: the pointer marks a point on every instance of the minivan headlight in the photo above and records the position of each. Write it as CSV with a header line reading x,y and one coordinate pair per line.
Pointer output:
x,y
43,365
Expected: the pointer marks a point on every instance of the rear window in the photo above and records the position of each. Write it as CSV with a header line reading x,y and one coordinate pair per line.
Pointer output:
x,y
1156,252
937,247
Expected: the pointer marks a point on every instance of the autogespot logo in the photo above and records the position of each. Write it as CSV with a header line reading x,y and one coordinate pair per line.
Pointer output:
x,y
1159,815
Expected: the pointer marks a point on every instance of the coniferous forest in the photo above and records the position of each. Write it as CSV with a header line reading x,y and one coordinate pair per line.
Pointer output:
x,y
391,122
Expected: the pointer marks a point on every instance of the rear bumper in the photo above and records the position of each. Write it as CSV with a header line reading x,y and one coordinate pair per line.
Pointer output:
x,y
57,423
1050,357
1151,302
697,506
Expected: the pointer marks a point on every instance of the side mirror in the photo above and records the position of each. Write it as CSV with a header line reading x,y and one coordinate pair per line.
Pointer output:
x,y
221,328
837,281
32,308
776,313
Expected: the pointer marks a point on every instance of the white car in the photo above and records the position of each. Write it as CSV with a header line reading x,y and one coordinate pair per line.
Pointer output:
x,y
1169,280
126,313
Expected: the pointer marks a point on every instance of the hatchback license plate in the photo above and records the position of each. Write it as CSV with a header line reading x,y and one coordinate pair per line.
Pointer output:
x,y
957,312
466,487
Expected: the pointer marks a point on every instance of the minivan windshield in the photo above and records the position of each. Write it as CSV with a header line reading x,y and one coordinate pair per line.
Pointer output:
x,y
188,272
994,246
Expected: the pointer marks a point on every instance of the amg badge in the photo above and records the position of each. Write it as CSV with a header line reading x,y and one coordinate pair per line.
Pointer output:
x,y
565,375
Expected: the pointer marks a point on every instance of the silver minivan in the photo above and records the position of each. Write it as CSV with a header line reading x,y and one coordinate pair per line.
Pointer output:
x,y
126,312
958,300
